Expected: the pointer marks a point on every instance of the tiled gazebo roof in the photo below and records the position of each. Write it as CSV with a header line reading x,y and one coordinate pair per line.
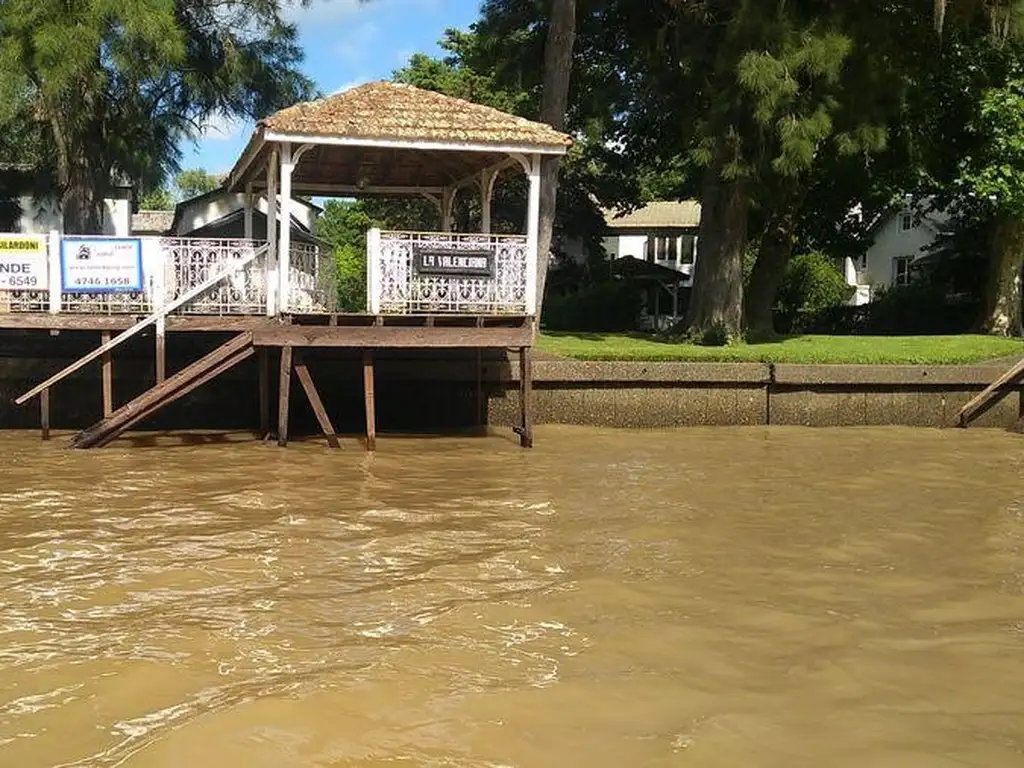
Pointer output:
x,y
385,110
387,137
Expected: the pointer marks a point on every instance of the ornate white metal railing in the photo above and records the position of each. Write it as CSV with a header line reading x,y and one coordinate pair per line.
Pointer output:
x,y
187,262
398,281
312,279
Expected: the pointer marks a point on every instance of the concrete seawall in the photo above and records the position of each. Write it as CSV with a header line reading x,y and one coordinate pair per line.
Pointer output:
x,y
628,394
438,390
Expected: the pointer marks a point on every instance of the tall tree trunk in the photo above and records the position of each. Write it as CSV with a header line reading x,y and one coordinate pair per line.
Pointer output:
x,y
554,103
774,253
716,304
1001,312
81,184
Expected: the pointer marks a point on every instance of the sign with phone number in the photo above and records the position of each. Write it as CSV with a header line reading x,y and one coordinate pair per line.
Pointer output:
x,y
101,265
23,265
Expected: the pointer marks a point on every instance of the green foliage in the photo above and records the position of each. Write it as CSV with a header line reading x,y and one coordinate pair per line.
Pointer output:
x,y
195,182
158,200
609,305
344,225
812,283
112,87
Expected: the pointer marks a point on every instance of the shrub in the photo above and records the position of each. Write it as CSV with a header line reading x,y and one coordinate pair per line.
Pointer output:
x,y
351,266
610,305
812,283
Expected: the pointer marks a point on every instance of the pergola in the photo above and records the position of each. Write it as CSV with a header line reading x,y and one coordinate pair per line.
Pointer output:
x,y
388,139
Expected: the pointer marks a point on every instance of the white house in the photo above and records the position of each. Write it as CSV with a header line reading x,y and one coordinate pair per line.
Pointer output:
x,y
220,214
899,238
45,215
662,233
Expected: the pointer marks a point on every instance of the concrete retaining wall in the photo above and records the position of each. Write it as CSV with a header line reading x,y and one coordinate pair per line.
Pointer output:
x,y
436,390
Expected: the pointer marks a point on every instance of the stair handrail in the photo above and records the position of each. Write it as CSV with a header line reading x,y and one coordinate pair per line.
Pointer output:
x,y
233,266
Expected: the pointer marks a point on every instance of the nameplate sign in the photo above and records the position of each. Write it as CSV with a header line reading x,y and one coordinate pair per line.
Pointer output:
x,y
101,265
453,262
23,264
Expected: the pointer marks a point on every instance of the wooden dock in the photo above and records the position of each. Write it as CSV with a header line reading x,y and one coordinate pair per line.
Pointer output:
x,y
288,337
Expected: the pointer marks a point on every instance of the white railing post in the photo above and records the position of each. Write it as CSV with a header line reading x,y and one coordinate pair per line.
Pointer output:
x,y
533,236
284,256
271,265
373,271
54,279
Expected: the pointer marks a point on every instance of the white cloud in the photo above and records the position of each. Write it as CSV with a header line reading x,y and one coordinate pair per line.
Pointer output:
x,y
221,127
356,44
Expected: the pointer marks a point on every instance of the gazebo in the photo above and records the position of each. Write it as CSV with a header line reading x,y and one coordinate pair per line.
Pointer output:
x,y
391,139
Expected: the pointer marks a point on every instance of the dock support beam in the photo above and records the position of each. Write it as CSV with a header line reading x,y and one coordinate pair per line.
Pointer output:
x,y
314,400
371,408
264,390
107,367
44,413
161,351
283,393
526,397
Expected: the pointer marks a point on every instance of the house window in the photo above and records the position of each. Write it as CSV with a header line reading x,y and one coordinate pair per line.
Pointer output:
x,y
688,249
901,270
661,249
862,262
906,222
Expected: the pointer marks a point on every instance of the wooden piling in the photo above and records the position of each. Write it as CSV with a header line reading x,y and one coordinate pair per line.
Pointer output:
x,y
283,395
161,351
371,411
264,391
44,413
107,368
526,396
314,400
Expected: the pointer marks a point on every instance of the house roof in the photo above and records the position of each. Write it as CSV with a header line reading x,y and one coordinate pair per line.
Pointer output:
x,y
385,110
646,271
665,214
156,222
179,209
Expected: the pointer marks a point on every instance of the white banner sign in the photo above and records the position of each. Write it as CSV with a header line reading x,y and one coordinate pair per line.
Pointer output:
x,y
101,264
23,265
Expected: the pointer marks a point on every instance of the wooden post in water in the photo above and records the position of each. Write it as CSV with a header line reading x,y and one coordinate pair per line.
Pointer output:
x,y
264,390
314,400
44,413
526,396
282,399
107,367
161,351
371,408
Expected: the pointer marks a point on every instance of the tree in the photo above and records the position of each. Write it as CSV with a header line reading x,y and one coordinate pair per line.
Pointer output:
x,y
113,87
195,182
344,224
159,199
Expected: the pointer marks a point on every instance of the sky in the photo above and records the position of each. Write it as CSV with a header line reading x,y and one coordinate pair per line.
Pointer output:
x,y
347,43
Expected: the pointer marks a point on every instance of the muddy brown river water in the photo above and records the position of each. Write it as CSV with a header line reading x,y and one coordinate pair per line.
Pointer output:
x,y
706,597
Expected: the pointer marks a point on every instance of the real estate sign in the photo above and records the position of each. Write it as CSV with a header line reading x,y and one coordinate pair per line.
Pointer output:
x,y
101,264
23,262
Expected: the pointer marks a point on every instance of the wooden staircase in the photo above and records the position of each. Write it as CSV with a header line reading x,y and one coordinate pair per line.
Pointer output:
x,y
992,394
207,368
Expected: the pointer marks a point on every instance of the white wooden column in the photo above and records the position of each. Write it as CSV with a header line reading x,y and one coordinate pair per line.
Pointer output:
x,y
271,271
285,230
533,235
487,178
248,211
54,278
447,208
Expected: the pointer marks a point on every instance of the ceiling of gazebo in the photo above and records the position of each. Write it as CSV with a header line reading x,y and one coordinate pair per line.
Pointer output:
x,y
390,136
326,168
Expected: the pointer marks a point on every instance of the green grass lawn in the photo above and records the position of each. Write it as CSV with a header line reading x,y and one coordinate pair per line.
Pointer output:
x,y
797,349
